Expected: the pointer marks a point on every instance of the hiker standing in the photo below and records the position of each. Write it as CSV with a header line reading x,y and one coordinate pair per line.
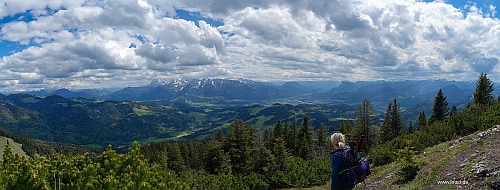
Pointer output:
x,y
338,142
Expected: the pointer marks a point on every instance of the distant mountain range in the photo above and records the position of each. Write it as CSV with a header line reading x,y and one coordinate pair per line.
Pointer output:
x,y
246,92
193,108
242,92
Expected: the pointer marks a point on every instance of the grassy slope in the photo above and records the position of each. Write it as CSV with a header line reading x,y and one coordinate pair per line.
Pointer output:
x,y
440,162
435,165
16,147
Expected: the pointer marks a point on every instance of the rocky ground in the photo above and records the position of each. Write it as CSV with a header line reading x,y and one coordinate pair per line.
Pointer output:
x,y
477,167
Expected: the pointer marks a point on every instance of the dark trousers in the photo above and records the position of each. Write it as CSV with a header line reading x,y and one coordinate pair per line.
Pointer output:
x,y
342,187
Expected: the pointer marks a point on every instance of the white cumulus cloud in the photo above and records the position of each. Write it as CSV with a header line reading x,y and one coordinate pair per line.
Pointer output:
x,y
107,43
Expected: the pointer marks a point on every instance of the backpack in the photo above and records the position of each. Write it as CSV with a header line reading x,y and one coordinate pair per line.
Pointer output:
x,y
355,169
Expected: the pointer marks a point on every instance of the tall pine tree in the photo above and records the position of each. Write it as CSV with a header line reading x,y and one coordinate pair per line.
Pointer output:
x,y
440,108
364,121
322,140
396,119
386,130
484,88
305,140
393,124
278,130
293,144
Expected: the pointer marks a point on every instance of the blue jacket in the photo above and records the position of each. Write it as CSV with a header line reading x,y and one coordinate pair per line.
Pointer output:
x,y
336,166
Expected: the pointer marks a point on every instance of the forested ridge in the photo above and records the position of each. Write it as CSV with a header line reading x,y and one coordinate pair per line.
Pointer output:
x,y
37,147
288,154
99,123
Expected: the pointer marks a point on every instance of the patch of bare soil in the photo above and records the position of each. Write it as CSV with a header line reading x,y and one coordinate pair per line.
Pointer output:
x,y
377,182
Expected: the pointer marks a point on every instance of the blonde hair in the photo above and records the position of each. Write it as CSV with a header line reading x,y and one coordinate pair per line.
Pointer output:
x,y
337,139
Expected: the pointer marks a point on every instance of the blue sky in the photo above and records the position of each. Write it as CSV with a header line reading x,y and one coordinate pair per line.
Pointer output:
x,y
87,44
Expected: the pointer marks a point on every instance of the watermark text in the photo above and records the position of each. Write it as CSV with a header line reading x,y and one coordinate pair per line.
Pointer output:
x,y
453,182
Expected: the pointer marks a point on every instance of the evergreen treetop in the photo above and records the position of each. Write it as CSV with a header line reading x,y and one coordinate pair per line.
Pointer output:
x,y
440,108
484,88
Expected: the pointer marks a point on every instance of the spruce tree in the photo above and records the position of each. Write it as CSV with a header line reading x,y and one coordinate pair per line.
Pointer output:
x,y
346,129
322,140
440,108
174,158
278,130
280,153
422,121
219,136
194,154
411,128
386,133
286,134
265,161
484,88
397,124
268,140
294,138
363,122
239,144
350,131
305,140
342,128
183,147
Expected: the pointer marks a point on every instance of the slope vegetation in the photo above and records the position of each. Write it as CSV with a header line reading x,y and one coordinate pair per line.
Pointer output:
x,y
16,147
470,162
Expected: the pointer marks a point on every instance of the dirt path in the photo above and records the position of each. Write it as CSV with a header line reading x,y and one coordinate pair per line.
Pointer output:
x,y
379,181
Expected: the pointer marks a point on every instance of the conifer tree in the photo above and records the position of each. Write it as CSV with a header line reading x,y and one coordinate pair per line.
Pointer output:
x,y
110,161
278,130
350,131
294,147
386,133
194,155
183,148
219,136
286,134
342,128
217,161
322,140
280,153
363,122
396,120
346,129
267,139
175,160
393,125
484,88
440,108
422,121
305,140
265,161
411,128
453,111
263,158
239,144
